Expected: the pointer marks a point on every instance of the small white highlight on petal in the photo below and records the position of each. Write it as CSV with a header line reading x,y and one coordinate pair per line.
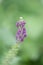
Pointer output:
x,y
21,18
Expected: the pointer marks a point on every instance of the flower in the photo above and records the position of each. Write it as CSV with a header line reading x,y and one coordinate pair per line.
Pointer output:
x,y
21,33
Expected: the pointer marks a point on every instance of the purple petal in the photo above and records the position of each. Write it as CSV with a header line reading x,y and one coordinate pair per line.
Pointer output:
x,y
25,35
19,31
23,22
24,31
21,39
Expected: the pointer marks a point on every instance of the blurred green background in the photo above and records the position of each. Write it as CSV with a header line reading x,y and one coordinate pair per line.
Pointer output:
x,y
31,50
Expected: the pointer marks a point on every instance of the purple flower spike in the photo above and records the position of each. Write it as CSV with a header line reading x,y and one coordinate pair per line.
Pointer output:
x,y
21,33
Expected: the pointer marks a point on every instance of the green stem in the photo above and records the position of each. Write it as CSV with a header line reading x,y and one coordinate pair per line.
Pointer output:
x,y
11,53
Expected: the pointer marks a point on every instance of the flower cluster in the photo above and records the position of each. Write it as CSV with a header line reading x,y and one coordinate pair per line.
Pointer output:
x,y
21,33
